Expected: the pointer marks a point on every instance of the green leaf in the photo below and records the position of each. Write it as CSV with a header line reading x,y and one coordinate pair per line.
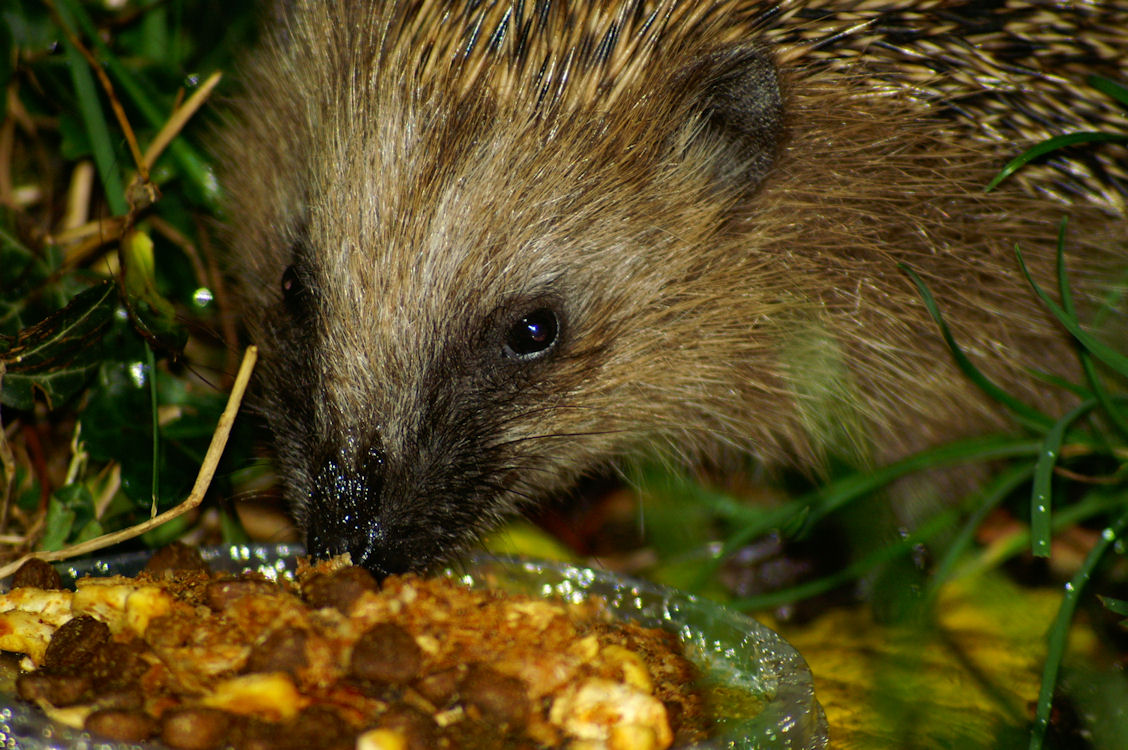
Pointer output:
x,y
166,533
91,530
1116,606
154,314
70,507
116,426
960,680
56,356
57,526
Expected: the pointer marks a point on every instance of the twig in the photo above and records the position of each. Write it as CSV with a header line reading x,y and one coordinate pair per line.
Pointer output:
x,y
104,231
176,237
108,87
78,195
9,463
177,121
195,497
7,141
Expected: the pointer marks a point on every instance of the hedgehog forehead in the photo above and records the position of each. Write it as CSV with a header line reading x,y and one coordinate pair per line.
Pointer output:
x,y
544,54
414,220
414,267
443,196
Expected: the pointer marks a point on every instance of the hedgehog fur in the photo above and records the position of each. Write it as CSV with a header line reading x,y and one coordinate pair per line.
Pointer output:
x,y
487,248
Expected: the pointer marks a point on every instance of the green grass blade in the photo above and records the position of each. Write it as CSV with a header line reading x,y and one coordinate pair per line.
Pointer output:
x,y
194,166
1095,346
854,571
659,481
1113,301
831,497
1116,416
1057,381
1092,377
1116,606
984,501
1096,504
1027,415
1050,145
154,403
1041,494
1060,630
94,120
1107,86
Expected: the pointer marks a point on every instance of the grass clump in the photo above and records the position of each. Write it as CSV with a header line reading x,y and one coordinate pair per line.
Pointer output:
x,y
116,343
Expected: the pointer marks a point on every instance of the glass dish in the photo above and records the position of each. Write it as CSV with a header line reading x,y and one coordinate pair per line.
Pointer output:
x,y
760,685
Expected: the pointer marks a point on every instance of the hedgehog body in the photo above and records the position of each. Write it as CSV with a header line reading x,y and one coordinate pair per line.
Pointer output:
x,y
488,247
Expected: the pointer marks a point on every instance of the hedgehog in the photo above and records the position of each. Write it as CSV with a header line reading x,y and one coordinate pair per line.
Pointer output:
x,y
490,247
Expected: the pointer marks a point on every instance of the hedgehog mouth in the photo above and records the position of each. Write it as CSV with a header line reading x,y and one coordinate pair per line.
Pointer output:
x,y
368,543
380,534
394,519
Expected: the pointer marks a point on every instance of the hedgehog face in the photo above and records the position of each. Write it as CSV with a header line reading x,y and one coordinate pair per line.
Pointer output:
x,y
457,361
435,396
464,276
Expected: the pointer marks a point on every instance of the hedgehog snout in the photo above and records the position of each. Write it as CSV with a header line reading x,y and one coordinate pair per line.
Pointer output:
x,y
344,514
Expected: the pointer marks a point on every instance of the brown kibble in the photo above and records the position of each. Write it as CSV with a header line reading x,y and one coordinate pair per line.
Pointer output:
x,y
124,697
176,557
498,697
56,689
339,589
415,726
75,643
282,651
440,687
220,594
116,664
315,727
121,725
386,653
36,573
321,727
195,728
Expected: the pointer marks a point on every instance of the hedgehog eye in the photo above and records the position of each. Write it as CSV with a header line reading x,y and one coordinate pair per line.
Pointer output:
x,y
533,335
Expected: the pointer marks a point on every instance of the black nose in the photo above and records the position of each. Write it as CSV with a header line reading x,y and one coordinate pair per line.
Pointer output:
x,y
344,514
367,546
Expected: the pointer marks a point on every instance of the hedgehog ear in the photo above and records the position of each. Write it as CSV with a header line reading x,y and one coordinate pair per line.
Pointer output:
x,y
739,114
